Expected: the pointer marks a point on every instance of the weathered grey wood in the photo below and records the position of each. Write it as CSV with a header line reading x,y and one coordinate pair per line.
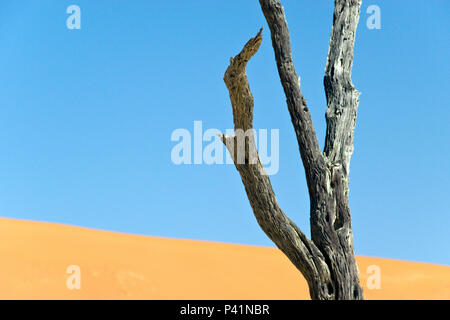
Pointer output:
x,y
342,104
301,118
327,261
280,229
342,97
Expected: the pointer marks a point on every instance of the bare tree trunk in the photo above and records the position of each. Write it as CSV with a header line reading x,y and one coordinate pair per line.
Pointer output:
x,y
327,261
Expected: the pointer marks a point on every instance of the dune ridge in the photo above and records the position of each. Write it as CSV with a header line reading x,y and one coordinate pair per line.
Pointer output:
x,y
36,257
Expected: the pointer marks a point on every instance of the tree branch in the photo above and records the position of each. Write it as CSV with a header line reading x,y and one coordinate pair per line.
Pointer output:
x,y
281,230
327,175
342,97
301,118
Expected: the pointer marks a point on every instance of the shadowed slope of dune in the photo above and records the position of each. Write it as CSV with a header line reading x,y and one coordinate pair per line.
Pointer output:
x,y
35,257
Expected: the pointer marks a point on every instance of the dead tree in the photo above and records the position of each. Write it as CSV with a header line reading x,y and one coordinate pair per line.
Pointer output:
x,y
327,260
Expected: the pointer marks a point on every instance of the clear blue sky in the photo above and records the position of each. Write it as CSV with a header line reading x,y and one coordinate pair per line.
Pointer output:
x,y
86,117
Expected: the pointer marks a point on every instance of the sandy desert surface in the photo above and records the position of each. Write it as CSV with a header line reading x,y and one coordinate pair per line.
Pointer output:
x,y
36,258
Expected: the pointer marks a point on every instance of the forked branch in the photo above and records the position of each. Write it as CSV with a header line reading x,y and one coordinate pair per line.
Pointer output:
x,y
281,230
327,261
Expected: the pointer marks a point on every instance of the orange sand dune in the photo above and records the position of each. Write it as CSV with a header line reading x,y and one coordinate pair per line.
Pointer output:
x,y
35,257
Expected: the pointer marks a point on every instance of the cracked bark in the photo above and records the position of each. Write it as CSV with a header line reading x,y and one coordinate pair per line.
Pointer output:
x,y
327,260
